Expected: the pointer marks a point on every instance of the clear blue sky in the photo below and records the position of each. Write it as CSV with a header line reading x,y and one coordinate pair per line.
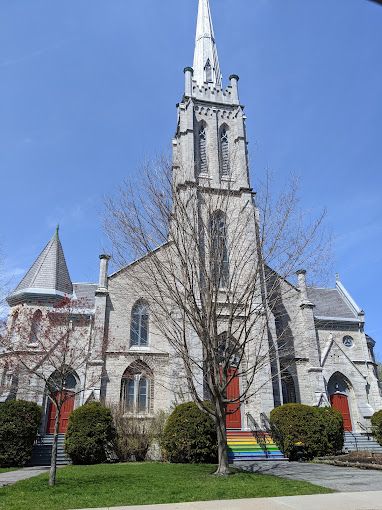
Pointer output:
x,y
88,90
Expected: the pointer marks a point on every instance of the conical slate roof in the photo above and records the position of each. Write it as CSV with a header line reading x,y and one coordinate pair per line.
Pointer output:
x,y
47,278
206,62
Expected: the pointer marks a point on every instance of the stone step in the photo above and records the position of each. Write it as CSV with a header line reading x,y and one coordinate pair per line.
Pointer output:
x,y
247,446
42,450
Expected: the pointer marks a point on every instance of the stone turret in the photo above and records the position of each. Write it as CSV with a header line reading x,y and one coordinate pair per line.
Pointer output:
x,y
47,280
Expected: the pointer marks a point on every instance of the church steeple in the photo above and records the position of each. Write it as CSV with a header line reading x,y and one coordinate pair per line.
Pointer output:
x,y
210,146
206,61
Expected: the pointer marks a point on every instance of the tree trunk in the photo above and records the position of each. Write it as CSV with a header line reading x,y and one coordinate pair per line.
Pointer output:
x,y
53,458
220,422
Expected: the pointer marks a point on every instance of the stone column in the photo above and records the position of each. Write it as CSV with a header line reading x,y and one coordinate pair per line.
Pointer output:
x,y
234,88
188,74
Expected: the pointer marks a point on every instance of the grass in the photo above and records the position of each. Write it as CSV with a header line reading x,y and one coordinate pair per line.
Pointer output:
x,y
143,483
5,470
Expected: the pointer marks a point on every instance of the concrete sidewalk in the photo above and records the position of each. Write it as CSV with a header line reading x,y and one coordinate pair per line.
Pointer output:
x,y
338,501
11,477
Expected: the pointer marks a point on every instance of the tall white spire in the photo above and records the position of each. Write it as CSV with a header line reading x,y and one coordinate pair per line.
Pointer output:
x,y
206,61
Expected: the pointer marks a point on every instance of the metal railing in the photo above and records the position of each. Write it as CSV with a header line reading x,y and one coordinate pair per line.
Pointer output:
x,y
355,439
258,433
367,430
265,422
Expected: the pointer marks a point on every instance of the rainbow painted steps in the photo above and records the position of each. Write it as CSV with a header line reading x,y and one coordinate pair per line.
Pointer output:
x,y
246,445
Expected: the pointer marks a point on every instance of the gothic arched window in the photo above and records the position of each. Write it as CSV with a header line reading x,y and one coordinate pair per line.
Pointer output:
x,y
36,327
139,327
208,71
224,151
201,150
137,388
219,250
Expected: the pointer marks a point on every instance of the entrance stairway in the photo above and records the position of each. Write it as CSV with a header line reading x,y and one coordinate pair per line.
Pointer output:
x,y
252,446
356,441
42,450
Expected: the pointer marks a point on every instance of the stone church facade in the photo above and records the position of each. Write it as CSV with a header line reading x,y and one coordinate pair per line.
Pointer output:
x,y
333,360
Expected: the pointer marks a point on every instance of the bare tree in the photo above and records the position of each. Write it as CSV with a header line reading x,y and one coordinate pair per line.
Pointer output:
x,y
212,264
44,352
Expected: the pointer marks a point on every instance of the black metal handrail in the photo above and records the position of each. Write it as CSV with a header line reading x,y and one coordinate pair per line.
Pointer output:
x,y
258,433
355,439
366,429
265,422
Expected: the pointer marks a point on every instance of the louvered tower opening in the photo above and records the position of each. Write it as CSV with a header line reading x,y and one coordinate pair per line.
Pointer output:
x,y
224,155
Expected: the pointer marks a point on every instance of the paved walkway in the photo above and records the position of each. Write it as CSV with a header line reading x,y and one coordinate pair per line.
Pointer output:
x,y
342,479
339,501
21,474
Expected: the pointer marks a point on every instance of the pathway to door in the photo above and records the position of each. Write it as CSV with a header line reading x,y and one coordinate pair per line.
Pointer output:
x,y
11,477
343,479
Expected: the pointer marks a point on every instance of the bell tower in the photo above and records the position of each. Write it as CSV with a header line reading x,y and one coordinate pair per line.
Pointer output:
x,y
210,146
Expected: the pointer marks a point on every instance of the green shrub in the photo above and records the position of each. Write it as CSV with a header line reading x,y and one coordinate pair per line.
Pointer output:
x,y
90,434
189,436
318,430
19,423
376,422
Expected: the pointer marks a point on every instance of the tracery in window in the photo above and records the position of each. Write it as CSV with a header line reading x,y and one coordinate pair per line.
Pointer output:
x,y
137,388
348,341
201,152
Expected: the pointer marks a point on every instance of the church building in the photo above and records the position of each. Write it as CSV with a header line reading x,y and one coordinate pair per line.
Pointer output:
x,y
332,361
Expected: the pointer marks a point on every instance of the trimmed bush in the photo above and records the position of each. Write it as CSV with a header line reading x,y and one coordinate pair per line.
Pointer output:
x,y
90,434
19,423
189,436
317,431
376,423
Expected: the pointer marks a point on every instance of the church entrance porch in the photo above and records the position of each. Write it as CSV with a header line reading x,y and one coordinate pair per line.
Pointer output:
x,y
340,402
67,407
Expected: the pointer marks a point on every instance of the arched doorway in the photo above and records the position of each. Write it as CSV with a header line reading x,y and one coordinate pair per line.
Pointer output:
x,y
230,350
339,389
66,395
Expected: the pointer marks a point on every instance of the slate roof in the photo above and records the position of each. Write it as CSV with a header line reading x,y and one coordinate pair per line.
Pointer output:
x,y
330,303
48,275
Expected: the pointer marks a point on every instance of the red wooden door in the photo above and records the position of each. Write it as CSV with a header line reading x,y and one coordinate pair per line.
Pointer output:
x,y
233,418
340,402
66,409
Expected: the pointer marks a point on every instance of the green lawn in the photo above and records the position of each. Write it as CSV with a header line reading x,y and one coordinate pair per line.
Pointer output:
x,y
143,483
